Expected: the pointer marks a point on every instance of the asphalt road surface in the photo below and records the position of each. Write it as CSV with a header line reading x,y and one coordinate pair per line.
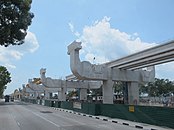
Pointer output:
x,y
22,116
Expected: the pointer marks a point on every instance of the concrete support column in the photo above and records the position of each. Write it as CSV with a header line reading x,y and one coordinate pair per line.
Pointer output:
x,y
107,92
47,95
59,96
19,96
62,94
83,94
35,95
125,92
133,93
39,95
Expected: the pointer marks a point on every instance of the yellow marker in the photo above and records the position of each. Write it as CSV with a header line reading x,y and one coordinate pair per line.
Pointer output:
x,y
131,108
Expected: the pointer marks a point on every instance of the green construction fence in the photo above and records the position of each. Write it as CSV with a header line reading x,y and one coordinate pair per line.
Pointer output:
x,y
160,116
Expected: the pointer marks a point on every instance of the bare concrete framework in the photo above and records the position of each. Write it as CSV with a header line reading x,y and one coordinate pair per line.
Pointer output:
x,y
38,89
64,84
30,91
86,71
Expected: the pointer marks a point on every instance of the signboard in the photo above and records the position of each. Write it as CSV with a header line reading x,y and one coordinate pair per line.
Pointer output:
x,y
131,108
77,105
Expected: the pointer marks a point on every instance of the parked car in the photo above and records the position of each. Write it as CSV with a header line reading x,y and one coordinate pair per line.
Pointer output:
x,y
12,99
7,97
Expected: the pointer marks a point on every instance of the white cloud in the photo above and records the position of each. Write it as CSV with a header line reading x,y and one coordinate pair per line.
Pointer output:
x,y
71,27
10,66
15,54
72,30
165,71
31,43
105,43
11,53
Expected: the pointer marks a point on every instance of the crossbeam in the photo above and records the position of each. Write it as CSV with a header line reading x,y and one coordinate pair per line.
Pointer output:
x,y
71,77
153,56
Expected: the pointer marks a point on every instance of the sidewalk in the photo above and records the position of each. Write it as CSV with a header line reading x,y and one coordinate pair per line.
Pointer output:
x,y
2,101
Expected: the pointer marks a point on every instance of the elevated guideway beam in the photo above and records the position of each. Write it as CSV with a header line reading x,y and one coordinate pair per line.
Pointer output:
x,y
30,92
38,89
149,57
64,84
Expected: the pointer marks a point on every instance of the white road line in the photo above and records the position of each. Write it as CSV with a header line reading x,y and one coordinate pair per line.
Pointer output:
x,y
44,118
14,117
18,123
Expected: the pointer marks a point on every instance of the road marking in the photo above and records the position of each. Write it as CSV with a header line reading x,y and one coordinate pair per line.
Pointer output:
x,y
14,117
44,118
18,123
72,120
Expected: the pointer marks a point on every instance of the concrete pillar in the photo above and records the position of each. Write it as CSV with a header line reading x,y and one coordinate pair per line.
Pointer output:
x,y
125,92
39,95
107,92
62,94
47,95
83,94
35,95
133,93
19,96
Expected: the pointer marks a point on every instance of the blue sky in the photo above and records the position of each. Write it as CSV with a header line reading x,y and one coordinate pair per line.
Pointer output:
x,y
109,29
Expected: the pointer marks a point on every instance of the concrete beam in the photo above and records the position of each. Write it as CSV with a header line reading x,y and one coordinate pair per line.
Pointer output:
x,y
58,83
149,57
86,71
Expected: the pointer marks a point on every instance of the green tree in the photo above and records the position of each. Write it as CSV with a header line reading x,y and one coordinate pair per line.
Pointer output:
x,y
97,92
15,17
143,89
159,87
4,79
118,87
72,93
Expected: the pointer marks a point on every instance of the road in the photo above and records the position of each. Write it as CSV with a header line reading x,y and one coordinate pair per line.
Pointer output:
x,y
22,116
